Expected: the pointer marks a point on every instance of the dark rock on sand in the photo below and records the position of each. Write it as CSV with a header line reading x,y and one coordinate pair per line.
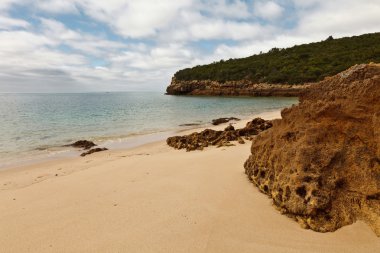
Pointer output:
x,y
229,128
209,137
85,144
93,151
320,163
223,120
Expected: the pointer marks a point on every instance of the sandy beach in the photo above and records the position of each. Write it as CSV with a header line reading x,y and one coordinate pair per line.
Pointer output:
x,y
154,199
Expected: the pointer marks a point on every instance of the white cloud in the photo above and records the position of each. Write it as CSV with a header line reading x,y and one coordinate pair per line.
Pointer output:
x,y
134,18
340,18
219,29
226,9
251,47
57,30
307,3
8,23
268,10
57,6
154,40
163,57
144,19
5,4
85,43
22,41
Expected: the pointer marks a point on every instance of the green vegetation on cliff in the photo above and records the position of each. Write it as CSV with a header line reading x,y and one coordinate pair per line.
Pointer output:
x,y
298,64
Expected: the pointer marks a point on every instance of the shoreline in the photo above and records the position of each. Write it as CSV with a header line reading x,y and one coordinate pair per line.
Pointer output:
x,y
58,152
153,198
123,143
74,157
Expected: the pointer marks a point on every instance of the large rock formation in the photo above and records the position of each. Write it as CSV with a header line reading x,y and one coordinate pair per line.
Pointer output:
x,y
232,88
321,162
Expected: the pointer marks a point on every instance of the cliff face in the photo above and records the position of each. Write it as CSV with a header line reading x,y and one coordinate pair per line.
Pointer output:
x,y
321,162
232,88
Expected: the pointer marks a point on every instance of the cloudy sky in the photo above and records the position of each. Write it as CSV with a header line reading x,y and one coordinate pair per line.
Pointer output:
x,y
121,45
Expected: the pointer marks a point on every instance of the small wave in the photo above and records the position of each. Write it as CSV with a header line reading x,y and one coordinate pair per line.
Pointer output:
x,y
41,148
123,137
45,137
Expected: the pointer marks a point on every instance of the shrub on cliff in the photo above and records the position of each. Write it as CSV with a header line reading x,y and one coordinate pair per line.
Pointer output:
x,y
295,65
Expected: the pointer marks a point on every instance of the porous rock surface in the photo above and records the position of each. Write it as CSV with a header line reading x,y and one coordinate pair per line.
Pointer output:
x,y
320,163
210,137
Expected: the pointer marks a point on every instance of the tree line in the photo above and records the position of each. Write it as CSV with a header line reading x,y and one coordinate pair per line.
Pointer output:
x,y
295,65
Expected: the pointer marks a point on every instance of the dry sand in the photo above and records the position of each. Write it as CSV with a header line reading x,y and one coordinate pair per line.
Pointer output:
x,y
154,199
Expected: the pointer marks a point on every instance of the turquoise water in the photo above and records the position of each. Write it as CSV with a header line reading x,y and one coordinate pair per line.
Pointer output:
x,y
39,124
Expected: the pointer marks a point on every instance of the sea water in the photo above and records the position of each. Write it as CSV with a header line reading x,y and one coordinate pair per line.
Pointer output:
x,y
39,125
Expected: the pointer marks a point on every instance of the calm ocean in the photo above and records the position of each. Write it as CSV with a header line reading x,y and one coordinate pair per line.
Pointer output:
x,y
37,125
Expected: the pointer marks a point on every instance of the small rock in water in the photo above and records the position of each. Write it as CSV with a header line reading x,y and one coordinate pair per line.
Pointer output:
x,y
223,120
190,124
85,144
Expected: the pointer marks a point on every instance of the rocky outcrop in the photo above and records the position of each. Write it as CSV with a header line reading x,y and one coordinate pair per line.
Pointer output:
x,y
232,88
209,137
321,162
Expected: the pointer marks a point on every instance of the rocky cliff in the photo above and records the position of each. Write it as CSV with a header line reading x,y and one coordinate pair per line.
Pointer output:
x,y
320,163
232,88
